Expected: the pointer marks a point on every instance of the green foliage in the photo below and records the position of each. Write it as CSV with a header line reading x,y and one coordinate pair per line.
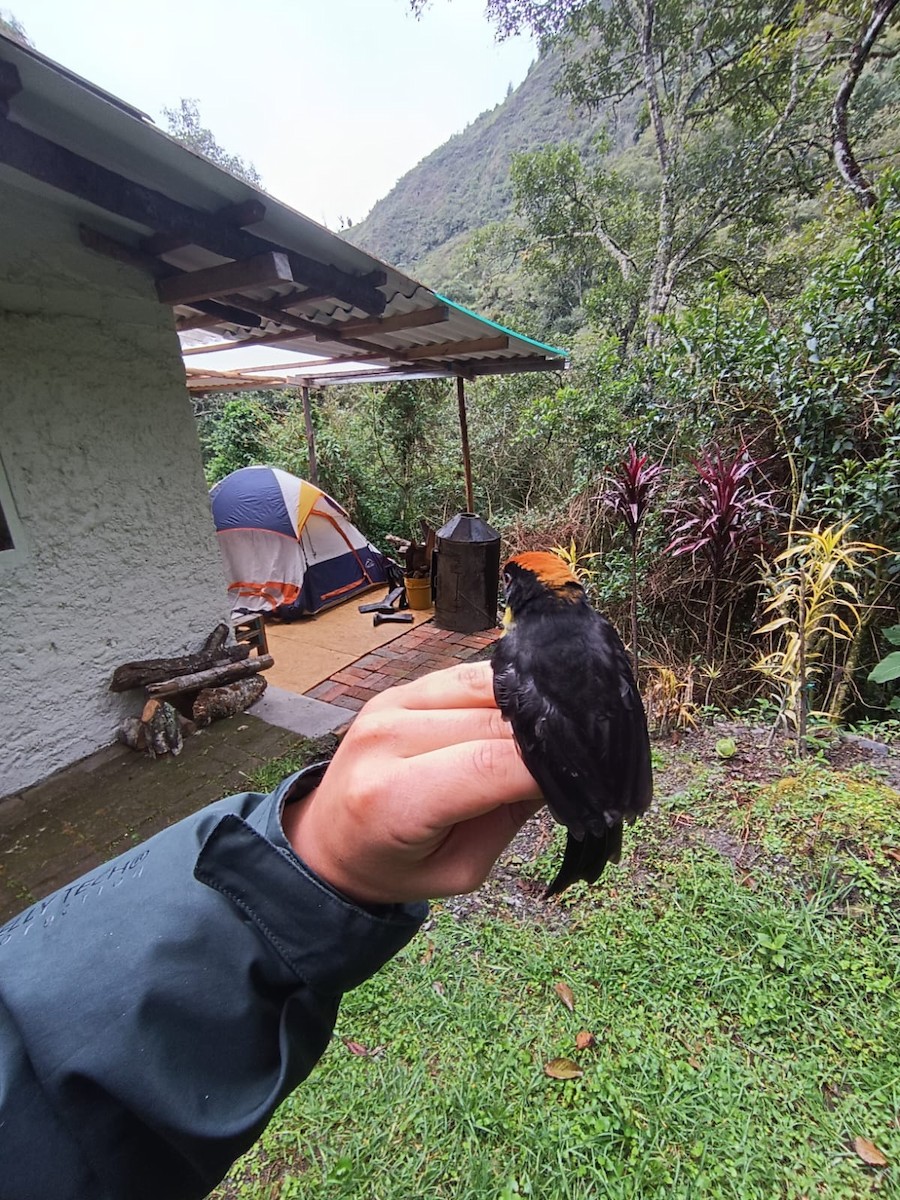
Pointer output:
x,y
236,436
887,669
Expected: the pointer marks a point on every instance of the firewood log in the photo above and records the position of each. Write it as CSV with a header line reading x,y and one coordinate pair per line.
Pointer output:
x,y
161,728
214,677
213,703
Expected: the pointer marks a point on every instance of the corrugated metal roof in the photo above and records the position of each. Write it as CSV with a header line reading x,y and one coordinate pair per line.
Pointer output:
x,y
306,297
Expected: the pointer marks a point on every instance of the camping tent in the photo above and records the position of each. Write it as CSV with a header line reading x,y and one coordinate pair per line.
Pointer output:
x,y
288,548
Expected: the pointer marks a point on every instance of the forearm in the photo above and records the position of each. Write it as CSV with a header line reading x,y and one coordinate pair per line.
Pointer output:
x,y
163,1006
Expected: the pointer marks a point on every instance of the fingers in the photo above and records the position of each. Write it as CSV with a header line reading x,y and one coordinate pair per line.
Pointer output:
x,y
466,781
470,685
414,731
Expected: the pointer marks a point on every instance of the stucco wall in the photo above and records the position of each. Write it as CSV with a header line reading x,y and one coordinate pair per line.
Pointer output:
x,y
101,455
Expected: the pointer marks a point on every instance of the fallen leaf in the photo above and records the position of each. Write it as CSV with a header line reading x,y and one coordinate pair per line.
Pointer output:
x,y
565,994
584,1039
869,1152
428,955
562,1068
892,853
695,1063
438,987
356,1048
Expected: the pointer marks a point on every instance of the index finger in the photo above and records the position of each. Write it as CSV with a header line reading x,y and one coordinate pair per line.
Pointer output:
x,y
470,685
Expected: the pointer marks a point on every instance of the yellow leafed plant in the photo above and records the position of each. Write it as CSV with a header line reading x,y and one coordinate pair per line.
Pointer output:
x,y
814,608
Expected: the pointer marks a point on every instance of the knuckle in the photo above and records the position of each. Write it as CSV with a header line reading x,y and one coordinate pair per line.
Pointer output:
x,y
471,675
371,728
486,760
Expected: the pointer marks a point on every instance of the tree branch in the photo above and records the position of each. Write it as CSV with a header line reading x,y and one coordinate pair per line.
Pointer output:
x,y
849,169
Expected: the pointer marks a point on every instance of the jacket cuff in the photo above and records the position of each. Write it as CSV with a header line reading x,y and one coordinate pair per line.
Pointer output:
x,y
329,942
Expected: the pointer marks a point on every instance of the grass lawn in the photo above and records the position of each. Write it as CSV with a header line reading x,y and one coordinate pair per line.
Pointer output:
x,y
739,973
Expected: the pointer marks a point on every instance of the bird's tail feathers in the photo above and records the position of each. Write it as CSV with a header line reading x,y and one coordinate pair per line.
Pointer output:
x,y
585,858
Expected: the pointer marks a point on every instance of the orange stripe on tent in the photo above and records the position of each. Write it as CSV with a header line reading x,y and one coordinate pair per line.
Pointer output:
x,y
346,588
246,587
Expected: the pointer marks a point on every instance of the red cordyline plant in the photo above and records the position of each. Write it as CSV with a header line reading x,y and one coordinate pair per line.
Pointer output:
x,y
628,494
720,518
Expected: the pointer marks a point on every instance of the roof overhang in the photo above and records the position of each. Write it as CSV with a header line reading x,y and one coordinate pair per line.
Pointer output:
x,y
262,295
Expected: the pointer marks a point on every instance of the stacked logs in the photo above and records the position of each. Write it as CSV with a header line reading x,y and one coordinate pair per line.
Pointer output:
x,y
187,692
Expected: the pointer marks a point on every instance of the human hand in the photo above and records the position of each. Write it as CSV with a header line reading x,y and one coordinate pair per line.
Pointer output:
x,y
422,796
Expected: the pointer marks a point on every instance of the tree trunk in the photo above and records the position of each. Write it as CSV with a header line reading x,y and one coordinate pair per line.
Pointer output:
x,y
850,170
665,240
213,703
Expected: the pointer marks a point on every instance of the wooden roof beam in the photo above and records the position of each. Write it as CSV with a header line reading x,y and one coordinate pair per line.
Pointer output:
x,y
249,212
265,270
409,320
212,315
60,168
452,349
514,366
10,85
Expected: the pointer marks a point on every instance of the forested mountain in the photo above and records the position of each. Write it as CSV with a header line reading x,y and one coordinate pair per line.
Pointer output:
x,y
465,184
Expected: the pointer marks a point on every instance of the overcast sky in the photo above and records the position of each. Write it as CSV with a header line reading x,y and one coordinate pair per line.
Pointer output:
x,y
332,100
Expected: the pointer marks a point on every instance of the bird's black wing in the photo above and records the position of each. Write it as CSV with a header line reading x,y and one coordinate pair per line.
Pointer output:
x,y
567,689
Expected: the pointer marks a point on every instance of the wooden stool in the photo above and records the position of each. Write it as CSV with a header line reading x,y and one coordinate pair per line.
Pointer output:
x,y
252,629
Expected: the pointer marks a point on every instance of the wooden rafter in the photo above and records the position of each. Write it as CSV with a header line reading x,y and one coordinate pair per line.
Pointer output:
x,y
69,172
409,320
300,329
265,270
10,85
213,315
451,349
249,212
513,366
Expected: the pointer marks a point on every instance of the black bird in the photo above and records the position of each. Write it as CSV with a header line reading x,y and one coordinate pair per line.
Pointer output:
x,y
563,680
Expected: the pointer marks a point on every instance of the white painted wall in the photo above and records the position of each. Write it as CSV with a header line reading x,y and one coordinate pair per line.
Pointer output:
x,y
102,460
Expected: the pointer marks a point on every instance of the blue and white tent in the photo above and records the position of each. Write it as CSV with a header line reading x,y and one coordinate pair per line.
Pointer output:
x,y
288,548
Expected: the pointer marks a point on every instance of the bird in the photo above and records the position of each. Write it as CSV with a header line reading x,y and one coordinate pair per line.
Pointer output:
x,y
563,680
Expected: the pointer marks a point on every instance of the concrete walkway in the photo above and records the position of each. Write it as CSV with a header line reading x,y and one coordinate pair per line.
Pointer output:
x,y
78,818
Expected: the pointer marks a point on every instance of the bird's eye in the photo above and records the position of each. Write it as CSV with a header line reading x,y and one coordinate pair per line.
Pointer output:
x,y
507,579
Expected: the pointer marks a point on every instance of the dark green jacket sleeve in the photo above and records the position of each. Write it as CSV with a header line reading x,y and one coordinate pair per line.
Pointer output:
x,y
154,1013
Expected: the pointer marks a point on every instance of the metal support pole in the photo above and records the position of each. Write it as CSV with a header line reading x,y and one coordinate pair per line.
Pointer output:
x,y
464,436
310,437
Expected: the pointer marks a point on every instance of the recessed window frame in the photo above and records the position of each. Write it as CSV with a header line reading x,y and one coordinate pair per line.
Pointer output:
x,y
14,555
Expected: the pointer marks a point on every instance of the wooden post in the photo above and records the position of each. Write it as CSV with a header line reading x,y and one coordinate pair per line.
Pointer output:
x,y
310,437
464,436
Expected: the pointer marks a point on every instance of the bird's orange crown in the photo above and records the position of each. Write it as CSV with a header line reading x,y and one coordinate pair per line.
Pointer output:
x,y
548,568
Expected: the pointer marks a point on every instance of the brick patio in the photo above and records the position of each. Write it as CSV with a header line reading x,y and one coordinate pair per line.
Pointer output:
x,y
425,648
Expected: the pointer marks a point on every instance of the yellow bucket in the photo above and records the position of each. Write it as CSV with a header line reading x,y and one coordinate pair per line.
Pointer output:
x,y
418,592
